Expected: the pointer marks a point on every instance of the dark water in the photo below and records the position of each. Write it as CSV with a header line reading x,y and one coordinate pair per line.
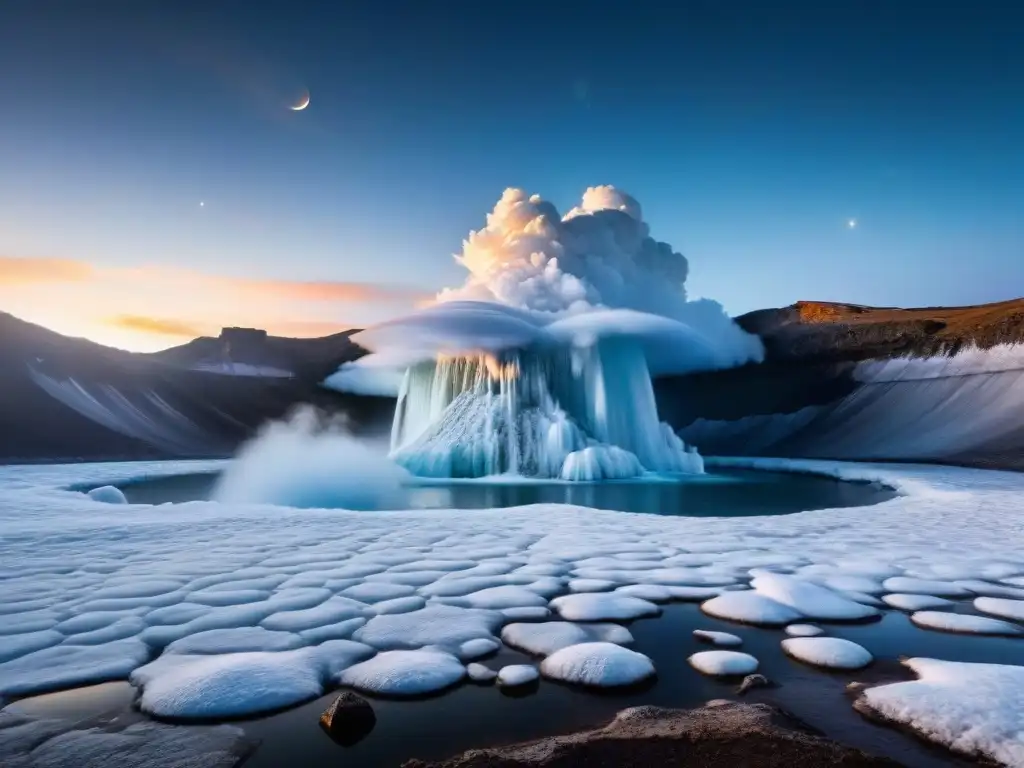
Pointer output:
x,y
478,716
725,493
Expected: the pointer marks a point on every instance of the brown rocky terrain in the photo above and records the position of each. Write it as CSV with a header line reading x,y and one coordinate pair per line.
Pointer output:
x,y
717,735
821,331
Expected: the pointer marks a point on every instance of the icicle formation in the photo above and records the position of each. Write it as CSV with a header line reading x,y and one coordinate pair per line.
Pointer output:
x,y
570,413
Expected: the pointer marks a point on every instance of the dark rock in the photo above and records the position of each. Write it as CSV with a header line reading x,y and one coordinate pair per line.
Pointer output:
x,y
723,736
754,681
349,719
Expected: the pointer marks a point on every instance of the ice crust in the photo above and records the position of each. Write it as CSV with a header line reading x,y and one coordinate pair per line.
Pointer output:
x,y
970,708
91,593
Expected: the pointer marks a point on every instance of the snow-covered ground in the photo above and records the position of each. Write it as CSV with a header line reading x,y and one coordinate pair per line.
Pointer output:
x,y
257,607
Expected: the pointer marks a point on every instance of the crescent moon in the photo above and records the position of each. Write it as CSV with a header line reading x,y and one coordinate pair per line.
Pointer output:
x,y
303,105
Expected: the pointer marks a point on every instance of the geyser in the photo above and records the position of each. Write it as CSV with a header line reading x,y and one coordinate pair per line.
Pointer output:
x,y
540,365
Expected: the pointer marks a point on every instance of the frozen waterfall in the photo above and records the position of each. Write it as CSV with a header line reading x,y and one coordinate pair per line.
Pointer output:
x,y
568,412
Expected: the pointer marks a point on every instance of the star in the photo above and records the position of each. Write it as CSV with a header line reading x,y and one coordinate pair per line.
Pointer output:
x,y
202,204
851,223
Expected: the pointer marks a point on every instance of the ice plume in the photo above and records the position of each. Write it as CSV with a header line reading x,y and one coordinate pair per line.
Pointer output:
x,y
541,363
307,461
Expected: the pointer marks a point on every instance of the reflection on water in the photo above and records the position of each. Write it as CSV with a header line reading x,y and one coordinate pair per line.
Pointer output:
x,y
723,493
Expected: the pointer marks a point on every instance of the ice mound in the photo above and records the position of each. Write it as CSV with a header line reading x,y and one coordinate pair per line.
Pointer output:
x,y
544,639
601,606
717,638
925,587
591,585
970,708
479,673
654,593
304,463
1005,609
600,665
723,663
475,649
496,598
810,600
911,603
405,673
107,494
969,625
988,589
828,652
750,608
804,630
235,640
517,675
438,625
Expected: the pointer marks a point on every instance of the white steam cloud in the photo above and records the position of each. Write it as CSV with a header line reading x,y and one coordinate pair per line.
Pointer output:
x,y
538,277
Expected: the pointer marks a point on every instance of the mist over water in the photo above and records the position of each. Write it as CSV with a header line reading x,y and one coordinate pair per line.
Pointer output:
x,y
311,462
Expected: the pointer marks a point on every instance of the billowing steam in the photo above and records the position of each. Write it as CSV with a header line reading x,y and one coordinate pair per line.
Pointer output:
x,y
536,278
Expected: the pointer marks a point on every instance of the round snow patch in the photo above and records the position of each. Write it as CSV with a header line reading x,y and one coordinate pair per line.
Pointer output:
x,y
804,630
107,494
717,638
654,593
925,587
475,649
750,608
602,606
723,663
905,601
828,652
959,622
601,665
404,673
544,639
517,675
998,606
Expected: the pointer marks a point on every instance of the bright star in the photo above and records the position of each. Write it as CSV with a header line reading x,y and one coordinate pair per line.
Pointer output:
x,y
852,223
202,204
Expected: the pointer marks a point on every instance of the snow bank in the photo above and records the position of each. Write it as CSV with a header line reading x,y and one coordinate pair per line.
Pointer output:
x,y
907,602
600,665
996,606
601,606
973,709
809,600
968,625
750,608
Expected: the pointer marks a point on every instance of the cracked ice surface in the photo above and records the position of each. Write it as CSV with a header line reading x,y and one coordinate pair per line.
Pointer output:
x,y
92,591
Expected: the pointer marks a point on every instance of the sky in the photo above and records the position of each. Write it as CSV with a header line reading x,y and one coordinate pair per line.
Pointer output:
x,y
155,185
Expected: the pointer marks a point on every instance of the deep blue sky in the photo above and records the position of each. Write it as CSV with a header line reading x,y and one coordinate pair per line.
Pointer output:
x,y
750,131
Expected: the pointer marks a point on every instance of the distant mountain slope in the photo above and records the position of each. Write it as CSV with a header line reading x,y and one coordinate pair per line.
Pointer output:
x,y
827,331
64,398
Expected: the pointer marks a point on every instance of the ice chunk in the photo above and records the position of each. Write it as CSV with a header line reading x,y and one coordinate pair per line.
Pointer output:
x,y
516,675
602,606
107,494
970,708
959,622
804,630
854,583
750,608
475,649
997,606
405,673
238,684
723,663
717,638
988,589
829,652
440,625
909,602
597,664
600,462
925,587
479,673
809,599
544,639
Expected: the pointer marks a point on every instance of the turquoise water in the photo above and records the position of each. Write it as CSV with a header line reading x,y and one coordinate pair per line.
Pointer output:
x,y
720,493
